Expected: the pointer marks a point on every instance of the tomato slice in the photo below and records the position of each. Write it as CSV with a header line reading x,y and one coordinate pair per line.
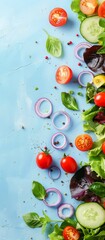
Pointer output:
x,y
103,147
84,142
88,7
58,17
64,74
101,10
71,233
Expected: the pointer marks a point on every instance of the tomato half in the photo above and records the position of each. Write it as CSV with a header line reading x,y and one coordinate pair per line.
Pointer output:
x,y
58,17
103,147
71,233
64,74
99,99
44,160
84,142
68,164
88,7
101,10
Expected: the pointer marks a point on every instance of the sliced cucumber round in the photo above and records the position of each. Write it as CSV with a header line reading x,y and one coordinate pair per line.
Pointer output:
x,y
90,215
90,29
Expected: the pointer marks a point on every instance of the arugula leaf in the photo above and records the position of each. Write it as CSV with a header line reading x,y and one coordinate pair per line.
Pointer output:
x,y
69,101
38,190
56,234
32,220
53,46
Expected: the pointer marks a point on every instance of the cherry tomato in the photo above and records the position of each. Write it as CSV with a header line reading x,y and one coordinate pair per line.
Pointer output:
x,y
99,99
103,147
44,159
101,10
68,164
88,7
64,74
84,142
71,233
58,17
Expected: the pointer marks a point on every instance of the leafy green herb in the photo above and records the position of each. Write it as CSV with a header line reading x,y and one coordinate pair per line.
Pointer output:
x,y
102,22
71,92
90,92
75,6
38,190
101,36
32,220
81,16
80,94
56,234
98,188
53,46
69,101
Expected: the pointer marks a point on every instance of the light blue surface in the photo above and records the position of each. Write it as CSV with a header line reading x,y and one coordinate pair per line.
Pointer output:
x,y
23,67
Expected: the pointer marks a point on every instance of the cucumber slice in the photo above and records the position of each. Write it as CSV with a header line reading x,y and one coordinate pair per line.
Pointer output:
x,y
90,29
90,215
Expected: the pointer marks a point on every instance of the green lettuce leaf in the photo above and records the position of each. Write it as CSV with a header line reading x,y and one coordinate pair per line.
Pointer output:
x,y
56,234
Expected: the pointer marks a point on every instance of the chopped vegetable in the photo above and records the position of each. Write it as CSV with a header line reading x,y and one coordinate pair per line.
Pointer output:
x,y
101,10
84,142
99,99
64,74
58,17
99,80
88,7
71,233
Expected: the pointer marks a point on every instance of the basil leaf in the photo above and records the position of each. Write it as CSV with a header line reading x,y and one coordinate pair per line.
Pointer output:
x,y
38,190
69,101
68,222
54,46
56,234
32,220
98,188
102,22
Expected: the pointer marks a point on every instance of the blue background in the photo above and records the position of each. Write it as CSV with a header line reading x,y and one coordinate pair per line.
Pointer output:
x,y
23,68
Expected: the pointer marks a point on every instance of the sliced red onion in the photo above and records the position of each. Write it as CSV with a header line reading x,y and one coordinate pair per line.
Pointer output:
x,y
65,206
59,197
52,169
82,73
79,47
57,146
67,119
37,108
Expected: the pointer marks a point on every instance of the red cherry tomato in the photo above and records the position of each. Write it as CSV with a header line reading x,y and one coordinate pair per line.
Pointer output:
x,y
103,147
68,164
99,99
84,142
58,17
88,7
44,160
101,10
71,233
64,74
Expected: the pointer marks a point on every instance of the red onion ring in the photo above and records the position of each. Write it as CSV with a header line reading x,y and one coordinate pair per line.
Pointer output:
x,y
59,197
37,108
84,72
67,118
79,47
64,143
65,206
58,170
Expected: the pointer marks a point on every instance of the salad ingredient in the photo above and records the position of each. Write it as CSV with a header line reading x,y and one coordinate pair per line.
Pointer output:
x,y
61,209
71,233
90,92
67,120
90,29
32,220
53,46
90,215
99,99
80,76
38,190
64,74
98,188
58,17
78,48
94,61
75,6
37,108
68,164
69,101
99,80
58,145
54,169
88,7
103,147
101,10
44,159
80,182
53,190
84,142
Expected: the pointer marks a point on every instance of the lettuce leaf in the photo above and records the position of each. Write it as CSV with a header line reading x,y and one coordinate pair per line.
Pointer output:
x,y
75,7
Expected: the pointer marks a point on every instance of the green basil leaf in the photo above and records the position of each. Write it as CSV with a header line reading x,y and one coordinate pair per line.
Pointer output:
x,y
32,220
38,190
56,234
54,46
98,188
68,222
102,22
69,101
